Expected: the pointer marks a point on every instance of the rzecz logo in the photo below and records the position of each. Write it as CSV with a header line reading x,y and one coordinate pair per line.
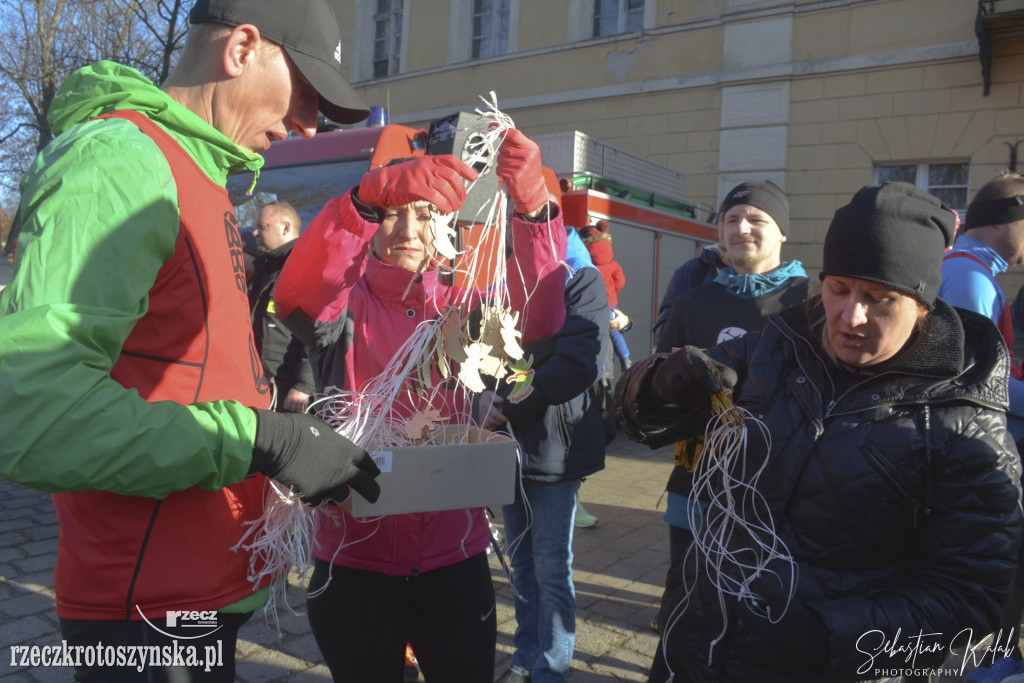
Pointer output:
x,y
205,622
235,249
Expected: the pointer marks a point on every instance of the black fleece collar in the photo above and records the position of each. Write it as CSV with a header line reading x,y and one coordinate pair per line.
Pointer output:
x,y
938,352
961,350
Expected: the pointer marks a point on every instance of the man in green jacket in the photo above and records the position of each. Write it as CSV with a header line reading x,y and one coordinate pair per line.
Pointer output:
x,y
127,377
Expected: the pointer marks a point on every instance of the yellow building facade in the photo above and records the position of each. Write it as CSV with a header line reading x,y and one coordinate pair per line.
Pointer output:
x,y
821,96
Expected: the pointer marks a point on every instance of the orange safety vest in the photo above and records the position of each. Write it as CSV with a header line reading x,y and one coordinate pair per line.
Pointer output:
x,y
122,554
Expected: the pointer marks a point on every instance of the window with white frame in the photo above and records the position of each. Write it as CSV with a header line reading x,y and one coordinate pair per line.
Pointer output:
x,y
491,21
947,180
617,16
387,37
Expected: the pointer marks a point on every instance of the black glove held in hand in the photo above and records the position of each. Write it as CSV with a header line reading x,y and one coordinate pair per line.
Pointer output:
x,y
689,377
303,452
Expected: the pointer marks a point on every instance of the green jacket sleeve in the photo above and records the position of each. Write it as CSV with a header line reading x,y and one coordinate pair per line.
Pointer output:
x,y
100,217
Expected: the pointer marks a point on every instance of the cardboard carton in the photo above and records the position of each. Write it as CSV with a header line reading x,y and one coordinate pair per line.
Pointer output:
x,y
443,476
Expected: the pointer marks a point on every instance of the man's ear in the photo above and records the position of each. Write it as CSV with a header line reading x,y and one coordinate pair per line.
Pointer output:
x,y
240,49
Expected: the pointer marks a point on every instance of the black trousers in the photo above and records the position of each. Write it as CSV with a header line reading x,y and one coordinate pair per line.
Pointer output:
x,y
116,650
679,540
364,619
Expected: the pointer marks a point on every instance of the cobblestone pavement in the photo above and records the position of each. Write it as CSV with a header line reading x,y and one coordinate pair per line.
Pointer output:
x,y
620,566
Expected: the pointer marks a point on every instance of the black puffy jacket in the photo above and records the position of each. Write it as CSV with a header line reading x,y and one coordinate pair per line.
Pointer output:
x,y
898,500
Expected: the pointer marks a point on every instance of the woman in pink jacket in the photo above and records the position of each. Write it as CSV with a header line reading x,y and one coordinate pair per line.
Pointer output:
x,y
355,289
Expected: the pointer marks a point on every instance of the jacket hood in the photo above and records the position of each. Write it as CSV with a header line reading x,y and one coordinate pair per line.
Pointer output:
x,y
576,254
601,251
105,86
960,357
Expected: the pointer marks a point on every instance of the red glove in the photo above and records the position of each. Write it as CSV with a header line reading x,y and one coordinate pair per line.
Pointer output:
x,y
519,166
435,179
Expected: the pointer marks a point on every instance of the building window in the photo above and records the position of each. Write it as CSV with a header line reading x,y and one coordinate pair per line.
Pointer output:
x,y
617,16
946,180
490,27
387,37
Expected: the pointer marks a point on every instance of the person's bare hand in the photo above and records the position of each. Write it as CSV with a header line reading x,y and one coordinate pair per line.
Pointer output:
x,y
491,417
295,401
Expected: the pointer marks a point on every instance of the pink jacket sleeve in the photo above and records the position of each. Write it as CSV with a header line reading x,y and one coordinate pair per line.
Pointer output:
x,y
536,277
325,263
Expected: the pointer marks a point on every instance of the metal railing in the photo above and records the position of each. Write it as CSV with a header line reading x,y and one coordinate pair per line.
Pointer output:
x,y
575,152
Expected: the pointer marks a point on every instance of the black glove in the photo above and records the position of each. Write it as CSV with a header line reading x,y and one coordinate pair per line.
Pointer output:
x,y
689,377
303,452
644,417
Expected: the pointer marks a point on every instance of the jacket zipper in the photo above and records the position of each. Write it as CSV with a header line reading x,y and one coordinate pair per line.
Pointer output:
x,y
897,480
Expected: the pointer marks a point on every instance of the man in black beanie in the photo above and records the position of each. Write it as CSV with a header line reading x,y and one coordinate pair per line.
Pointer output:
x,y
753,224
703,268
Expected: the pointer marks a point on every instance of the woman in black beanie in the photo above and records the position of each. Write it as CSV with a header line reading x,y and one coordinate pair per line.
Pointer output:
x,y
876,530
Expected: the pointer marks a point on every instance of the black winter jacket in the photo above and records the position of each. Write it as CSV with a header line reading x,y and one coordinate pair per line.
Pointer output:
x,y
284,356
898,499
559,426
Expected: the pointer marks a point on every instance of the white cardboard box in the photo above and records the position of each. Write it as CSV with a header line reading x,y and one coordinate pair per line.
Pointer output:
x,y
443,477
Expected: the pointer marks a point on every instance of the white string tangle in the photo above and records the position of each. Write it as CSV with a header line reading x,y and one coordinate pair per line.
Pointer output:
x,y
483,144
288,533
734,538
512,544
283,536
504,123
377,416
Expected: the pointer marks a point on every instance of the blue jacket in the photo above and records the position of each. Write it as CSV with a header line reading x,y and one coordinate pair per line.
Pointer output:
x,y
559,425
968,284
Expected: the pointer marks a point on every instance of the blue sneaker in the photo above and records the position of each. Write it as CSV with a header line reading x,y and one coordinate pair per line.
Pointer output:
x,y
996,672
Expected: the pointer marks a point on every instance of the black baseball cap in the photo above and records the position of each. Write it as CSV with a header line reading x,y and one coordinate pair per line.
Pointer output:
x,y
308,32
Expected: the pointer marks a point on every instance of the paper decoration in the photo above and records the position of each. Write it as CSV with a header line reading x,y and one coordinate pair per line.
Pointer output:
x,y
454,334
469,370
444,234
421,425
522,377
499,330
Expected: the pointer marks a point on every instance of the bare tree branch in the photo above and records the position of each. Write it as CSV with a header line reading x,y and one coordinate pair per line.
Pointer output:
x,y
4,138
43,41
